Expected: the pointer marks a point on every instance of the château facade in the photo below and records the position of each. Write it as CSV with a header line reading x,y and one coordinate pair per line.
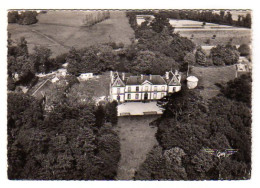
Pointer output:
x,y
125,87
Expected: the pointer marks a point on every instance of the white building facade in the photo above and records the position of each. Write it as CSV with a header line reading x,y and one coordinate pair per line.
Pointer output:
x,y
143,87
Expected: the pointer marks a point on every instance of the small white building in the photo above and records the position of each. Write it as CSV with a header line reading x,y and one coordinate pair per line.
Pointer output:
x,y
85,76
192,82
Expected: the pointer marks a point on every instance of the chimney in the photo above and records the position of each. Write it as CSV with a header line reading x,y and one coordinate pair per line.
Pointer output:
x,y
176,72
112,76
123,76
142,76
167,75
151,77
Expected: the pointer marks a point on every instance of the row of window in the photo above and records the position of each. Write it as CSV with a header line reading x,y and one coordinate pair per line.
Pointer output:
x,y
137,96
146,89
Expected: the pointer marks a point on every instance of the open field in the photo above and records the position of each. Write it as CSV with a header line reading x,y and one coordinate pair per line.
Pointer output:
x,y
60,30
137,139
238,36
208,76
223,33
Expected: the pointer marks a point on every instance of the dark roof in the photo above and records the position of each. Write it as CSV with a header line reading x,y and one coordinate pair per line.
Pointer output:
x,y
154,79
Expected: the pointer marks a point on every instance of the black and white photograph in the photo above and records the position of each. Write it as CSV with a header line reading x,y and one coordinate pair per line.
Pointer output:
x,y
136,94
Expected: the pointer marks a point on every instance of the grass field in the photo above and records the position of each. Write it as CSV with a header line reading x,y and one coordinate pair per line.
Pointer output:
x,y
137,138
223,33
60,30
208,76
238,36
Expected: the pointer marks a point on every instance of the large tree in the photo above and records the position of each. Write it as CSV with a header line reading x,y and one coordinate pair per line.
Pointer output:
x,y
224,55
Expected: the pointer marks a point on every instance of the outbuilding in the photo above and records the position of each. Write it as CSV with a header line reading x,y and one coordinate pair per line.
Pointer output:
x,y
192,82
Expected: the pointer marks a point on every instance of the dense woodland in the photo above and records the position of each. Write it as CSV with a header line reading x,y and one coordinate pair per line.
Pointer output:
x,y
189,125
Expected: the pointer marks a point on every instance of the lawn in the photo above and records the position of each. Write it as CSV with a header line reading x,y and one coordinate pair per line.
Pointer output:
x,y
137,138
208,76
99,85
60,30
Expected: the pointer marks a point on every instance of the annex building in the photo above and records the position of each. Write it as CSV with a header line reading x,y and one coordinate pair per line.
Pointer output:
x,y
125,87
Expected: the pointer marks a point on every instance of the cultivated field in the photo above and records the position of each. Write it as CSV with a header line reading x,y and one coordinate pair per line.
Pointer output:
x,y
61,30
199,34
137,139
238,35
208,76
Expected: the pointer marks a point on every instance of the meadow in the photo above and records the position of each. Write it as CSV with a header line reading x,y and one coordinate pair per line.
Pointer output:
x,y
61,30
209,76
137,139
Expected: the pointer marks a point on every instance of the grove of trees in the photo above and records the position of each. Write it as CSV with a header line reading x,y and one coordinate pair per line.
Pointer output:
x,y
70,142
189,125
96,17
23,18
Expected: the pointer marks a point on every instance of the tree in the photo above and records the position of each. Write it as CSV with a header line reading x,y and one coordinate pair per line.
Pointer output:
x,y
239,89
100,116
189,60
244,50
148,62
41,59
228,18
28,18
247,20
201,57
161,165
159,22
111,112
13,16
224,55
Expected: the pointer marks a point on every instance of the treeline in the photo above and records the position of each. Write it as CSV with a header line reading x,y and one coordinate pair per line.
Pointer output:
x,y
223,17
190,126
23,17
96,17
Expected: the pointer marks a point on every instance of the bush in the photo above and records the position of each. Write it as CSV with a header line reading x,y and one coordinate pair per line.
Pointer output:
x,y
244,50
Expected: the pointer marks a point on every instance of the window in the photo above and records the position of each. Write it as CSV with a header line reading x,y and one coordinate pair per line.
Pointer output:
x,y
173,89
137,89
155,95
163,88
118,90
155,88
146,88
129,89
129,96
162,95
136,96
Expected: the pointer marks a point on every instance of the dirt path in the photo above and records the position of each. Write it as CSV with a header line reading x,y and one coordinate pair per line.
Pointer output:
x,y
137,138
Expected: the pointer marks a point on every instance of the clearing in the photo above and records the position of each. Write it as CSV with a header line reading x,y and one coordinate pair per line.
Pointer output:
x,y
208,76
137,139
61,30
